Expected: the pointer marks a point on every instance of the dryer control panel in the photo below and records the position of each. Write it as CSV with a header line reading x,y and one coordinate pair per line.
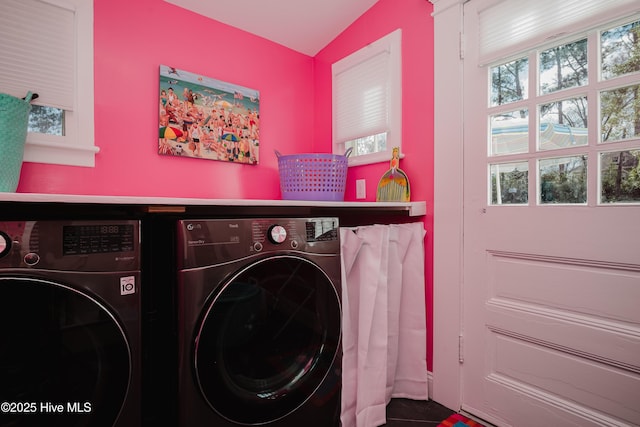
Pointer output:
x,y
214,241
293,232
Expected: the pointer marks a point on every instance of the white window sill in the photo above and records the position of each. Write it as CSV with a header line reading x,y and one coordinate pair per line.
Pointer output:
x,y
367,159
60,153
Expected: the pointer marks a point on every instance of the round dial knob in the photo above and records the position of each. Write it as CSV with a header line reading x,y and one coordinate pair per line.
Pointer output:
x,y
5,244
31,258
277,234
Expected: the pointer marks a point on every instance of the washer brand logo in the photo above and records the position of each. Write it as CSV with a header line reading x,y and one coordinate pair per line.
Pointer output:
x,y
127,285
192,226
234,226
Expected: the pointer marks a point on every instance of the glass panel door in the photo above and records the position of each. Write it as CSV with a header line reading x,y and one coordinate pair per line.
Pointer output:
x,y
62,354
267,340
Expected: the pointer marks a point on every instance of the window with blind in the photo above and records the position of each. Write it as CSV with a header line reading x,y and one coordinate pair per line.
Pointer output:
x,y
47,48
367,101
568,108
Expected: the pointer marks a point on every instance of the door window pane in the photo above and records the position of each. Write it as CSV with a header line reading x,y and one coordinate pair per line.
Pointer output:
x,y
510,133
563,67
620,113
509,82
563,180
563,124
620,50
620,176
509,183
560,122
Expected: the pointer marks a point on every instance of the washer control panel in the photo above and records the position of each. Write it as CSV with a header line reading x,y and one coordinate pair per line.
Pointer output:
x,y
70,245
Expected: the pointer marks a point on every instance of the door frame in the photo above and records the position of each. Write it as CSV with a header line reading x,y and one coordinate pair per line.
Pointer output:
x,y
448,203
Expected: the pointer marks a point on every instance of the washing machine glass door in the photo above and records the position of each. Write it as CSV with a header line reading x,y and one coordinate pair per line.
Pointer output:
x,y
63,358
267,340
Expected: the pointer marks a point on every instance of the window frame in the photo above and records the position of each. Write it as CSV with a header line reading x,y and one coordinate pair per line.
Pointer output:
x,y
77,146
591,90
392,43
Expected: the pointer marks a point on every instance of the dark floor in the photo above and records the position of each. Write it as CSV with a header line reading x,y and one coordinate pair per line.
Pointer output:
x,y
415,413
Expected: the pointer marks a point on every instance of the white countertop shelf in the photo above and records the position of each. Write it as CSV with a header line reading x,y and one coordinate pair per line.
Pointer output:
x,y
160,204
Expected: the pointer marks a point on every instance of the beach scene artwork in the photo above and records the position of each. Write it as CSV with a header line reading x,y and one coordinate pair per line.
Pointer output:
x,y
205,118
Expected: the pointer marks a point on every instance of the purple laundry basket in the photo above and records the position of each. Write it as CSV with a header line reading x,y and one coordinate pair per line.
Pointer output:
x,y
313,176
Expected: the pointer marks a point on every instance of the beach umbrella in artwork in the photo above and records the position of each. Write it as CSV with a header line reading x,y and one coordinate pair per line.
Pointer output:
x,y
169,132
230,137
223,104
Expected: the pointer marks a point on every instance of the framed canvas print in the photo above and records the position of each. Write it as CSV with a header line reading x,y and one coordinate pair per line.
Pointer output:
x,y
205,118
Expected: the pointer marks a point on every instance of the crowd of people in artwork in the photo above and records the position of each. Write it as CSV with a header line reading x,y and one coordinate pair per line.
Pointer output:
x,y
206,125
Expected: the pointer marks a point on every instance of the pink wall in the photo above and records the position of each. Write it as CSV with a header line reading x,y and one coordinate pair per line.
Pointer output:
x,y
132,38
414,18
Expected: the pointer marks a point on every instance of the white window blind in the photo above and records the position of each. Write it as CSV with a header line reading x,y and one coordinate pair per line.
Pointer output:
x,y
361,98
507,27
44,64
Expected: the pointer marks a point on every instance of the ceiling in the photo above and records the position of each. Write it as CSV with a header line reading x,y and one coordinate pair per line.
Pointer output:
x,y
305,26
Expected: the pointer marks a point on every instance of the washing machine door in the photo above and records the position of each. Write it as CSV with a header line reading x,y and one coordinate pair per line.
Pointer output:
x,y
267,340
64,360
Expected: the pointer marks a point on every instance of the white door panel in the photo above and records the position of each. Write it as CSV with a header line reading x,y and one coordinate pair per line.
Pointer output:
x,y
575,232
551,293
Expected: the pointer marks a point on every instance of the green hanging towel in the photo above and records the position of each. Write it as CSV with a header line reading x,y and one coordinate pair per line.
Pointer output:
x,y
14,121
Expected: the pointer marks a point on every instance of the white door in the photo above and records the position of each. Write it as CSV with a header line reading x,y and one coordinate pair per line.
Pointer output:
x,y
551,295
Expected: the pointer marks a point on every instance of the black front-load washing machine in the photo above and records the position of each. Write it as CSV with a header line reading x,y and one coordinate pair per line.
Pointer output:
x,y
259,321
69,323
